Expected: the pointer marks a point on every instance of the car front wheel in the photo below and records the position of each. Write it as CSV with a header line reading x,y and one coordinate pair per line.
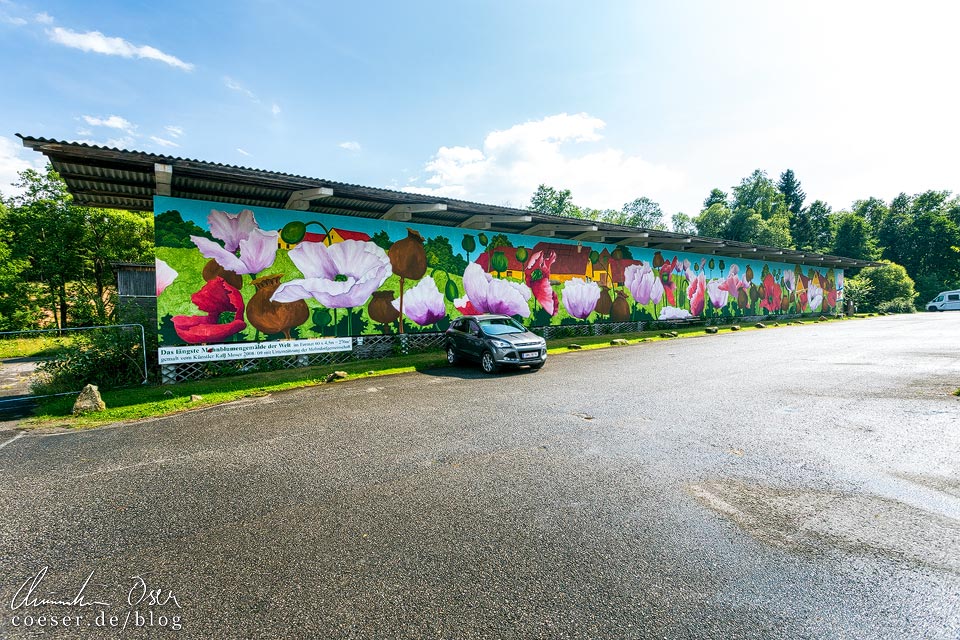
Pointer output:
x,y
487,363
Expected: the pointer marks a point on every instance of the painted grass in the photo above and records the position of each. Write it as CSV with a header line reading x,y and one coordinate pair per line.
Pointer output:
x,y
139,403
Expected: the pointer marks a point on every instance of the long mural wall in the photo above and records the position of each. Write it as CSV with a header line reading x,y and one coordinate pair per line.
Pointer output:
x,y
236,274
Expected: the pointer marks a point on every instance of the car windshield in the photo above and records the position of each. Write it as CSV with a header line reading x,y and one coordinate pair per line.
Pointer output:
x,y
500,326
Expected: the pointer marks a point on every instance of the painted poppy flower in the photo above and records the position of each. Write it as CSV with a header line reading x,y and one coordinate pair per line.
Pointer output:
x,y
673,313
789,280
772,295
537,272
424,303
696,293
216,297
340,276
639,279
231,228
814,296
669,286
732,284
718,294
580,297
464,306
165,275
257,251
491,295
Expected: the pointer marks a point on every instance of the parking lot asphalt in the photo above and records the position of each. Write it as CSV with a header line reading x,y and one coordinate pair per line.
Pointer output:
x,y
794,482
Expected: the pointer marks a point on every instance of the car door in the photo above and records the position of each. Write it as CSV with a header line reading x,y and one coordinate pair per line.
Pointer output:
x,y
952,302
473,341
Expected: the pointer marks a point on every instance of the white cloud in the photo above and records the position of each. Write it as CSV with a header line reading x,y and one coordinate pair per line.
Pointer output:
x,y
350,145
112,122
513,162
275,109
124,142
84,132
43,18
163,142
15,21
176,132
233,85
98,43
243,152
14,158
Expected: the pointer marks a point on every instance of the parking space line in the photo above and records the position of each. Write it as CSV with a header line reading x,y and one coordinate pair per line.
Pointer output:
x,y
16,437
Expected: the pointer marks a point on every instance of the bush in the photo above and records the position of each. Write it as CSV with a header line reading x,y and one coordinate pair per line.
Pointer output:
x,y
109,358
897,305
887,282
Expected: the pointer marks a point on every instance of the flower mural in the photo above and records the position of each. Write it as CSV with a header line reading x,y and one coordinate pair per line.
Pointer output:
x,y
165,275
216,298
339,276
492,295
580,297
391,277
424,303
537,272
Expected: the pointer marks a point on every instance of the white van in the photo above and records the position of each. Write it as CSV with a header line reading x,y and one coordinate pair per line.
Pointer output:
x,y
945,301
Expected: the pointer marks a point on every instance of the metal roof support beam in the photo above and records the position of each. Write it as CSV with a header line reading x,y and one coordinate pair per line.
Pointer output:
x,y
403,212
164,176
550,230
485,222
300,200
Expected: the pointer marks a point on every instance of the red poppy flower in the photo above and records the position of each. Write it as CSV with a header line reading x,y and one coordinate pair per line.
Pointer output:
x,y
772,294
216,297
537,273
669,286
696,292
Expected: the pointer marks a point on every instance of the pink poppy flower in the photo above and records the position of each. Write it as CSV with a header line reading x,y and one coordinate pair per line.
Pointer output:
x,y
718,295
340,276
642,284
231,228
216,297
732,283
258,250
424,303
696,293
165,276
491,295
537,272
580,297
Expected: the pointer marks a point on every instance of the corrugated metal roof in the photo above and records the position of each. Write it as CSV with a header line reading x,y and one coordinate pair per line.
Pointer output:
x,y
117,178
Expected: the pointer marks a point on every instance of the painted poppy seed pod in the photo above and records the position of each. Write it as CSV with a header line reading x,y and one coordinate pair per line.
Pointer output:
x,y
743,300
658,260
274,317
604,304
621,308
381,308
451,291
213,270
408,257
749,274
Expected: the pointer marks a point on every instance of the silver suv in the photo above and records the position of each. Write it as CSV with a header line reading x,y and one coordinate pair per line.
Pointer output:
x,y
494,341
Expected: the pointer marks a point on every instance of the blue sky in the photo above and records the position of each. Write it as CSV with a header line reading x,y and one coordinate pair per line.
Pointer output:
x,y
485,100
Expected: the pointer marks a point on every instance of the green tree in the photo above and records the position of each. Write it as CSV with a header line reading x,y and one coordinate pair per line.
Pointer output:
x,y
641,212
551,201
682,223
713,221
854,238
759,213
440,255
380,238
821,226
873,210
17,308
48,233
793,195
717,196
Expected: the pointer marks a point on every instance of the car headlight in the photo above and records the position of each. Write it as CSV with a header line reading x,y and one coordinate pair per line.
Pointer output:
x,y
500,344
